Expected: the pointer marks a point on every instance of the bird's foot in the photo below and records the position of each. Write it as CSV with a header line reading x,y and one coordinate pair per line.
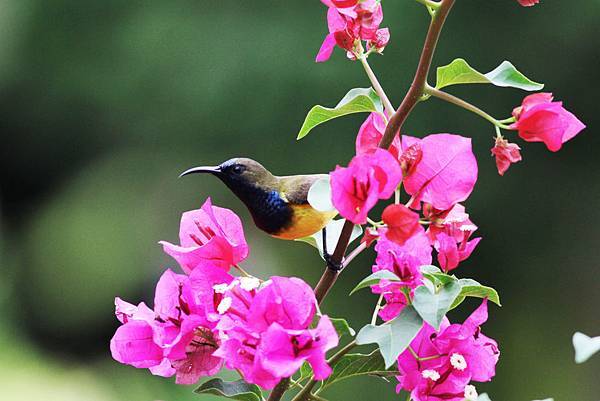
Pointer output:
x,y
332,264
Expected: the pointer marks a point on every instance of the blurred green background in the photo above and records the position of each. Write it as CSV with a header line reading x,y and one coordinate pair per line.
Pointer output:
x,y
104,103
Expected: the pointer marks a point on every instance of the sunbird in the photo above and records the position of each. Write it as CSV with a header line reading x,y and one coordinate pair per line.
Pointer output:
x,y
278,204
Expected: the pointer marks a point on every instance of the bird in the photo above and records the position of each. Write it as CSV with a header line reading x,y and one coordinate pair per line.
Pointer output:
x,y
278,204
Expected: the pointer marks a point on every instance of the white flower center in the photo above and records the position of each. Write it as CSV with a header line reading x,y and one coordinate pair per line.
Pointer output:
x,y
249,283
470,393
430,374
224,305
220,288
458,361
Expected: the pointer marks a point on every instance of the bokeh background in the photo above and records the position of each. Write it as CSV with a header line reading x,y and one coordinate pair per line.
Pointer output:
x,y
103,103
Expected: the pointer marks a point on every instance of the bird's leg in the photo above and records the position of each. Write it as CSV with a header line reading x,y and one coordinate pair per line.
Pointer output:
x,y
335,266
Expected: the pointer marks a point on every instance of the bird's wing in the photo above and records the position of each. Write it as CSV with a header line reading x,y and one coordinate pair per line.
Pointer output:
x,y
294,189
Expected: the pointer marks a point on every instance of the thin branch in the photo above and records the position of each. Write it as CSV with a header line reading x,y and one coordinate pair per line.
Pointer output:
x,y
357,251
465,105
418,85
389,109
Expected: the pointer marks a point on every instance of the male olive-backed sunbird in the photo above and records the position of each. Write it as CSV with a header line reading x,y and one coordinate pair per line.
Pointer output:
x,y
278,205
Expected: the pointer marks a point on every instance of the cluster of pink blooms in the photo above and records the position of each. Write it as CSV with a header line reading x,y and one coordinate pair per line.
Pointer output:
x,y
208,318
438,172
350,22
440,365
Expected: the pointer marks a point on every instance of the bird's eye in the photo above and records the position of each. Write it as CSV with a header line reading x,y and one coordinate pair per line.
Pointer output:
x,y
237,169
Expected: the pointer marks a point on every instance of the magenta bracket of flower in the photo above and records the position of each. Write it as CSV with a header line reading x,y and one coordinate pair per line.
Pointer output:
x,y
272,331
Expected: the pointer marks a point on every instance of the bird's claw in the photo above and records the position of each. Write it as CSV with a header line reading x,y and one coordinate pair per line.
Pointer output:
x,y
332,264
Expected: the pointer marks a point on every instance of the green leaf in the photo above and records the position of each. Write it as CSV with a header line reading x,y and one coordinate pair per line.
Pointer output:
x,y
430,269
237,390
440,277
458,72
334,230
585,346
374,279
505,75
353,365
433,306
342,327
357,100
394,336
305,372
319,195
471,288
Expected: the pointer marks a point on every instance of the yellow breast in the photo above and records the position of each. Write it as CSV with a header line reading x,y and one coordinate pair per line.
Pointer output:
x,y
305,221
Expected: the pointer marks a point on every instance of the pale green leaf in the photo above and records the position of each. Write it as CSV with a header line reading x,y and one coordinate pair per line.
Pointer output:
x,y
585,346
433,306
374,279
342,327
471,288
319,195
357,100
505,75
430,269
459,72
394,336
237,390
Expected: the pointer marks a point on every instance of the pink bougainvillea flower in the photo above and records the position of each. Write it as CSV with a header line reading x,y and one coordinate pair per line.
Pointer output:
x,y
289,302
370,134
450,232
371,235
341,3
382,37
266,333
450,360
368,178
404,261
505,153
209,236
176,338
446,173
282,351
528,3
451,253
410,158
539,119
351,21
454,222
402,223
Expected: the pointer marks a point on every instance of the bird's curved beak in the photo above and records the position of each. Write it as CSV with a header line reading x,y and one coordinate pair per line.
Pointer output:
x,y
202,169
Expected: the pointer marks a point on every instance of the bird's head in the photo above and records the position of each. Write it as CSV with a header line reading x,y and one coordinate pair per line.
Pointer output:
x,y
238,173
